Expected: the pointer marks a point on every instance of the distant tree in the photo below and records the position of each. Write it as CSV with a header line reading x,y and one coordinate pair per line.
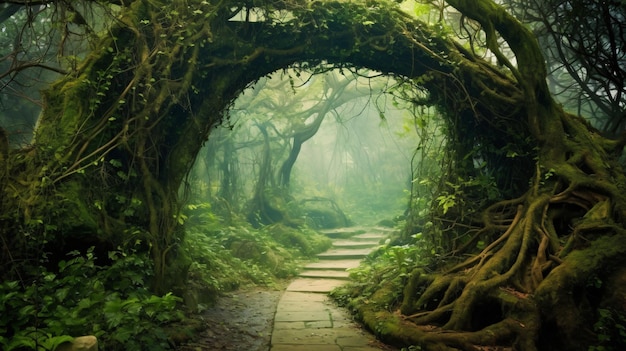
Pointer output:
x,y
41,41
287,116
584,43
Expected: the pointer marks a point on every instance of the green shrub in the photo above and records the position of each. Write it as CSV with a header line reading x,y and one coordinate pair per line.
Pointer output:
x,y
82,298
228,253
610,330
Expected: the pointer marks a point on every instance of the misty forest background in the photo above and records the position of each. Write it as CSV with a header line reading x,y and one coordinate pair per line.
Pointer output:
x,y
155,154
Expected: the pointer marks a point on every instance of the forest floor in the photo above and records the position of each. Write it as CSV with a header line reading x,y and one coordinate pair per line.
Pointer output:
x,y
239,320
244,319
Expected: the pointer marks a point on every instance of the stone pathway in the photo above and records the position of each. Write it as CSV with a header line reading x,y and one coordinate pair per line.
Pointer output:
x,y
306,319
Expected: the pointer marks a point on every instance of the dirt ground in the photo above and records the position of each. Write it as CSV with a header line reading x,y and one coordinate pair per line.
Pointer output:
x,y
240,320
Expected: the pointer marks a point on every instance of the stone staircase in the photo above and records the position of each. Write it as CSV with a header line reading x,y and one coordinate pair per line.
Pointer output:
x,y
306,319
350,246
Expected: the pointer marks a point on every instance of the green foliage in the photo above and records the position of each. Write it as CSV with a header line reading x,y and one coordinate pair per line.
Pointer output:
x,y
468,195
34,339
137,321
610,329
387,270
79,298
305,242
215,268
225,255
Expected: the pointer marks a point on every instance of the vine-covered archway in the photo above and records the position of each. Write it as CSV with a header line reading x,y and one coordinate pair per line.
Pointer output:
x,y
149,96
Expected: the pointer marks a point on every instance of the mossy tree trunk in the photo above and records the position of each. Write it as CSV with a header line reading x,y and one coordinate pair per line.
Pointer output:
x,y
116,140
550,253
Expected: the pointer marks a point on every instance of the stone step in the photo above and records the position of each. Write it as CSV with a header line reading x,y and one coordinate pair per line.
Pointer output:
x,y
314,285
340,265
325,274
385,230
343,232
355,244
312,322
368,237
341,254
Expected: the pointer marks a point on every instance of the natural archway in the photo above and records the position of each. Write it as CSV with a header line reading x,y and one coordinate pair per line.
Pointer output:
x,y
135,115
143,103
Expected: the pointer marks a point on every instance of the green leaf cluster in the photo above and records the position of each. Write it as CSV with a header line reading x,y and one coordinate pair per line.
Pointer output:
x,y
387,270
610,329
83,298
228,253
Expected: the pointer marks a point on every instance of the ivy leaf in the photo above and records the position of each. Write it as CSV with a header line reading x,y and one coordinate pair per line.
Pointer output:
x,y
52,343
511,154
61,294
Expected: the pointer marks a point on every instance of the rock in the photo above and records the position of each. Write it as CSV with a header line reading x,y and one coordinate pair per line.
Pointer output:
x,y
81,343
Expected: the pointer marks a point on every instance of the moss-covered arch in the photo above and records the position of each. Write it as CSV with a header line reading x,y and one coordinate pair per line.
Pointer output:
x,y
133,117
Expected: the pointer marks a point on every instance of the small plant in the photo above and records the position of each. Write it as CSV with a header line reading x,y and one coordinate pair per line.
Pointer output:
x,y
610,329
389,267
34,339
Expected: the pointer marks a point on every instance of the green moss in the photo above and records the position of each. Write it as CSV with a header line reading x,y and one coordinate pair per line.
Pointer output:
x,y
603,253
306,242
410,291
389,327
74,207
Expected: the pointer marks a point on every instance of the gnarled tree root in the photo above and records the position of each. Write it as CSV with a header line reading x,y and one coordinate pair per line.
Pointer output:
x,y
511,298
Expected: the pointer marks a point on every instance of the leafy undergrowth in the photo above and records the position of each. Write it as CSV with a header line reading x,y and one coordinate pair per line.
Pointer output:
x,y
388,269
226,255
111,302
381,278
379,285
109,297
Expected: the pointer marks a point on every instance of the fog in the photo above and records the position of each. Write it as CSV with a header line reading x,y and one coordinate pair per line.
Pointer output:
x,y
338,140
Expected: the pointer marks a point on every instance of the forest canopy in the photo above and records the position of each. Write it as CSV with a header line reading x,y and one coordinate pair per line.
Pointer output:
x,y
524,217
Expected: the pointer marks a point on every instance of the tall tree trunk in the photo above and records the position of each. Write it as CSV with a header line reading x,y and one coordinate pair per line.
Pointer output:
x,y
261,209
228,186
299,138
